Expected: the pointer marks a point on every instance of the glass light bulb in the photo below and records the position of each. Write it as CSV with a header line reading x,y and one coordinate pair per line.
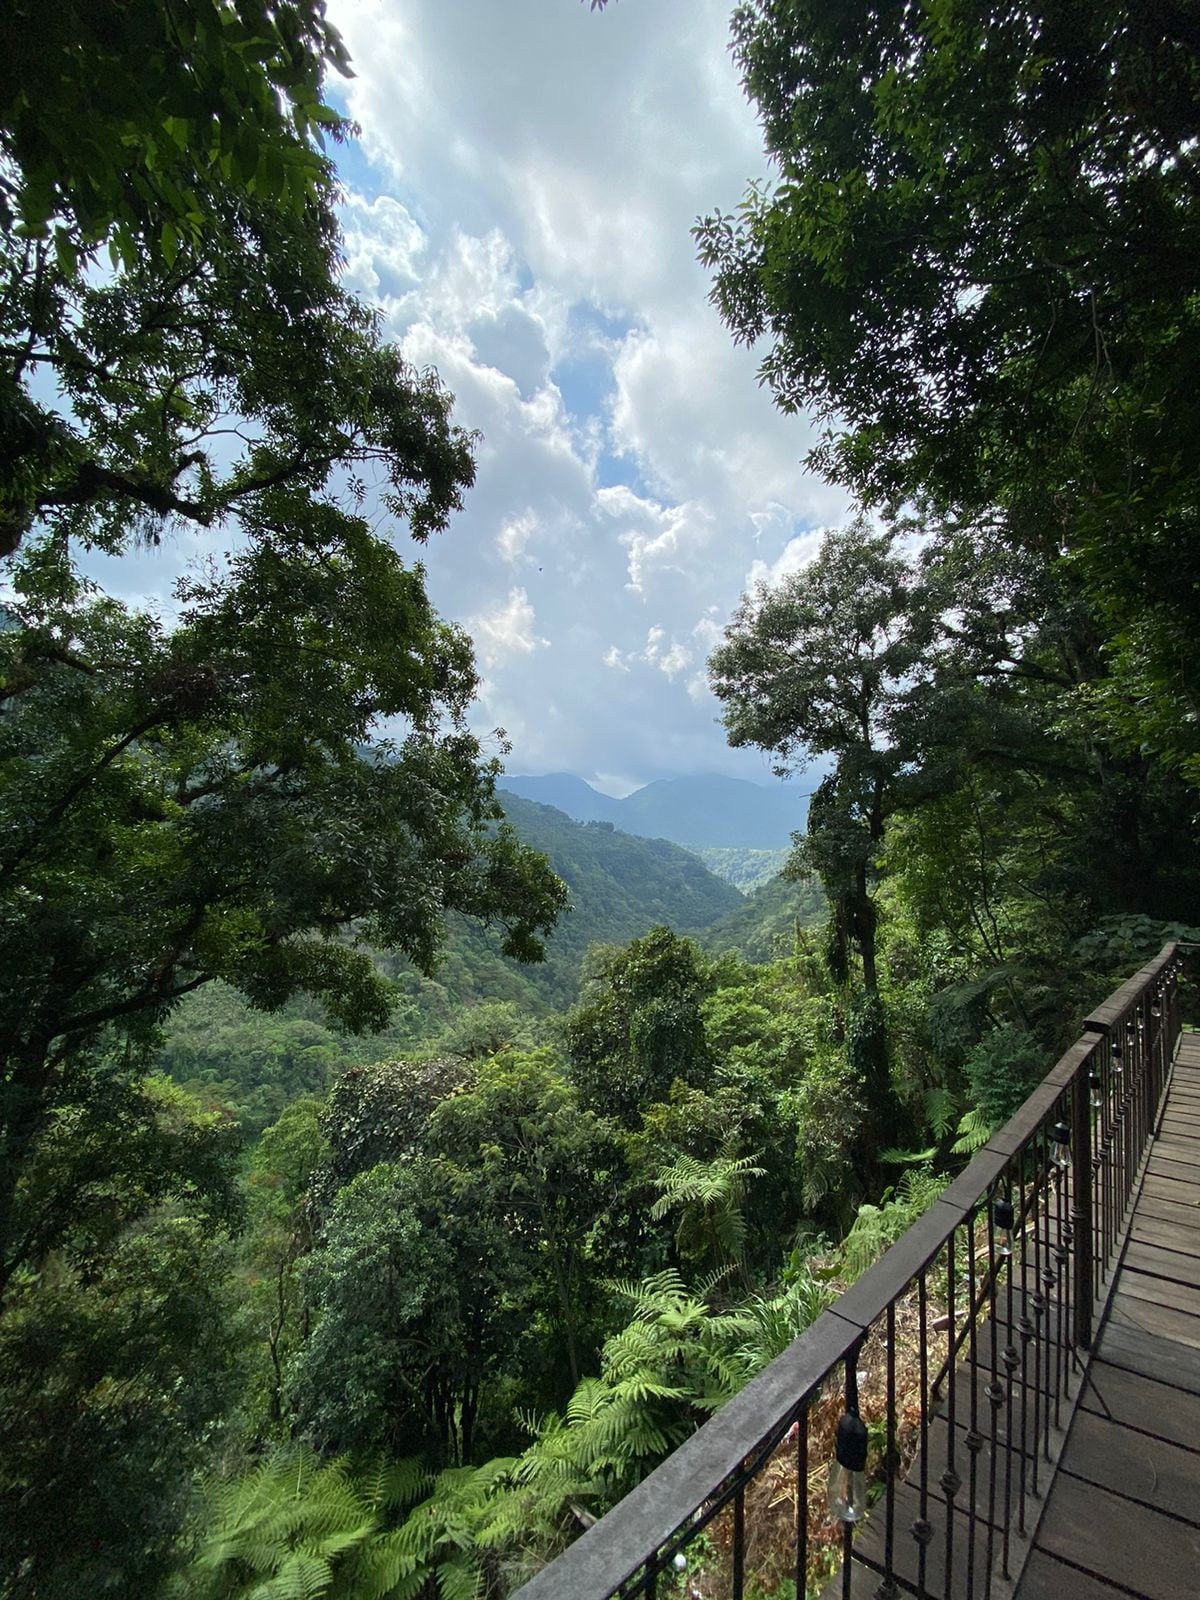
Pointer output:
x,y
1060,1154
847,1494
1005,1219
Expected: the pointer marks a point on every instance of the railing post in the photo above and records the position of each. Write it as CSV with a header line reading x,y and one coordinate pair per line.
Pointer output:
x,y
1081,1207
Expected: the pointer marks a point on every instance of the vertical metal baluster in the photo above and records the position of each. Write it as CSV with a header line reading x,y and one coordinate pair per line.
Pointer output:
x,y
1131,1104
1025,1329
650,1588
1113,1153
1031,1300
1135,1149
994,1391
1055,1259
739,1543
847,1558
1011,1362
974,1439
951,1482
922,1528
888,1587
802,1504
1049,1282
1062,1268
851,1402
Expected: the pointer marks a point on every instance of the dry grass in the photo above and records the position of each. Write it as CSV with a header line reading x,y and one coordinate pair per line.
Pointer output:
x,y
770,1498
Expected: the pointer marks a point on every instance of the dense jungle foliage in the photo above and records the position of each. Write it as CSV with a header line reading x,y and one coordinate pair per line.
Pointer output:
x,y
323,1309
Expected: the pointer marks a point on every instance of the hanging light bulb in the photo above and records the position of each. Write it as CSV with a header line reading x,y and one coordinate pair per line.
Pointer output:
x,y
680,1561
848,1473
1061,1154
1004,1218
1156,1007
1118,1060
1095,1090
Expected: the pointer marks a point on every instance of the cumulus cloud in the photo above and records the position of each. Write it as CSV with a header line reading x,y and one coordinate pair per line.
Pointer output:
x,y
794,557
519,207
507,631
515,535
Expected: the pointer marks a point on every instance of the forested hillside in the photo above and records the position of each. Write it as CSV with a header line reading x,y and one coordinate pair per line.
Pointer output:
x,y
766,926
257,1061
745,869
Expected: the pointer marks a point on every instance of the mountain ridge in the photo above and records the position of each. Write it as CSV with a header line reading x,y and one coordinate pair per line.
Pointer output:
x,y
704,811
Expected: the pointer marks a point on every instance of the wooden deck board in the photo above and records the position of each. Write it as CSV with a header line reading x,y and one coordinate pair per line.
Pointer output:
x,y
1133,1350
1120,1514
1152,1471
1145,1551
1159,1261
1123,1515
1179,1240
1048,1578
1150,1407
1164,1321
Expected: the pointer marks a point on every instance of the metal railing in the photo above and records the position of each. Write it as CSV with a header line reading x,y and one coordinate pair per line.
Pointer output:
x,y
959,1350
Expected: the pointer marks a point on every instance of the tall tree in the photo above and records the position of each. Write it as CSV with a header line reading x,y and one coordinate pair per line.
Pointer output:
x,y
822,666
640,1026
276,768
199,800
977,261
117,1344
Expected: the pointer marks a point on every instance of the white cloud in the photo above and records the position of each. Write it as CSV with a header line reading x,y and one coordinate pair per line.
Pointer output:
x,y
520,209
383,245
515,535
793,558
506,631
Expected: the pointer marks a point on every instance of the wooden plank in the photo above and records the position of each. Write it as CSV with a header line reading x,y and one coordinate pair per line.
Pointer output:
x,y
1134,1465
1165,1292
1170,1154
1183,1191
1167,1210
1181,1131
1167,1171
1047,1578
1160,1262
1165,1322
1133,1401
1180,1152
1152,1555
1150,1355
1171,1236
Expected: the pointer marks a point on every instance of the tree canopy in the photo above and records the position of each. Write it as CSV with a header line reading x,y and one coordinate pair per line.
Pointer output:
x,y
976,260
274,765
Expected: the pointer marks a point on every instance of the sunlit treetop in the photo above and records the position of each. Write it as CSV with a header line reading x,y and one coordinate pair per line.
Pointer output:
x,y
118,121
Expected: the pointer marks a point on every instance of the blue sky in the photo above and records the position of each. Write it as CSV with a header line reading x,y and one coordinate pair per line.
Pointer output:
x,y
519,208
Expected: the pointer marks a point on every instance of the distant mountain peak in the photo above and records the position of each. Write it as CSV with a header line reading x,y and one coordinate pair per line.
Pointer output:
x,y
709,810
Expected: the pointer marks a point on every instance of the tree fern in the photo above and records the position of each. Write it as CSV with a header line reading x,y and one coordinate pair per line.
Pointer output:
x,y
709,1196
975,1128
294,1528
877,1227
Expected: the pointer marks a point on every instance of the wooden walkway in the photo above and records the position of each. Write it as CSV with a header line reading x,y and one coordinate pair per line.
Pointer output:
x,y
1123,1513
